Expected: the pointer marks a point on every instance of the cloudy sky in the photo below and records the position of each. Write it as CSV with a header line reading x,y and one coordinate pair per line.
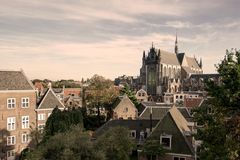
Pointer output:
x,y
63,39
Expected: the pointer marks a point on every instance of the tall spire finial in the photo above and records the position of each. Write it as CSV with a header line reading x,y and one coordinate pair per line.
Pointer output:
x,y
200,65
152,44
176,44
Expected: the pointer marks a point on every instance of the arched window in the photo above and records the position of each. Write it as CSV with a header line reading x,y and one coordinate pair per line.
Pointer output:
x,y
165,72
169,73
174,73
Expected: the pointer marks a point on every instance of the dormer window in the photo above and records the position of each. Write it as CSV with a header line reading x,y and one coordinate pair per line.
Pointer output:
x,y
166,141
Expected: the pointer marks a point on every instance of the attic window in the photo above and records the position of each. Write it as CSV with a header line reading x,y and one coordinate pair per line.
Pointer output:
x,y
126,109
166,141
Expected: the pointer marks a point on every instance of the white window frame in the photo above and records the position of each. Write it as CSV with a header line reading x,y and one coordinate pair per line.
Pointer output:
x,y
166,136
25,138
25,102
12,140
11,123
179,157
25,122
41,116
11,154
12,103
135,134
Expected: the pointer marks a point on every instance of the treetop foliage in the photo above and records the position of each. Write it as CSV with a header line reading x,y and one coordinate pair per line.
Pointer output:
x,y
221,128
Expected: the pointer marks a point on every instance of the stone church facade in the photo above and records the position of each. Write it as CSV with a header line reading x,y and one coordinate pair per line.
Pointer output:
x,y
164,71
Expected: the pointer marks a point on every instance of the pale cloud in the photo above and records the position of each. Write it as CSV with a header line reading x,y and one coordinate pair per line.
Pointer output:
x,y
73,39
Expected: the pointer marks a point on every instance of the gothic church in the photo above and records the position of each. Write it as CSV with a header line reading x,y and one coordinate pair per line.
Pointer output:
x,y
164,71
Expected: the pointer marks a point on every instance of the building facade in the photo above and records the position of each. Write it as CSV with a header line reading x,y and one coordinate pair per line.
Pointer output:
x,y
17,111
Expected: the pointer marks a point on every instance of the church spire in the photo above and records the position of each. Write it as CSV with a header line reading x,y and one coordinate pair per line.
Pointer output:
x,y
176,44
200,65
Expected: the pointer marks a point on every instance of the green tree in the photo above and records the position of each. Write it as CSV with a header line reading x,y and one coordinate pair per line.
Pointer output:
x,y
153,148
101,92
116,144
61,121
126,90
220,132
72,144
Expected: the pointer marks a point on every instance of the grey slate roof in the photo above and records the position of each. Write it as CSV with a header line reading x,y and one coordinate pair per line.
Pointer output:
x,y
169,126
49,100
159,112
168,58
14,80
137,125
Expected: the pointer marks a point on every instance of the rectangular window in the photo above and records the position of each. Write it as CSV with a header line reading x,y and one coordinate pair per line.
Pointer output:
x,y
133,133
25,102
25,122
11,122
11,140
210,110
41,116
25,138
11,154
165,141
11,103
179,158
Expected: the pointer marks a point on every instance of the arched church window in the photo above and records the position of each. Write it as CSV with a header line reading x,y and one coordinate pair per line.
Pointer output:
x,y
165,72
169,72
174,72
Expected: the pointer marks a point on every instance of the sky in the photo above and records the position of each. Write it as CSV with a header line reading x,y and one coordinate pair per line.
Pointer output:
x,y
74,39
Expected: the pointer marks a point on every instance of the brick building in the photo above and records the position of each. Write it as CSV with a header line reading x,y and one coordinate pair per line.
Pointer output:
x,y
17,113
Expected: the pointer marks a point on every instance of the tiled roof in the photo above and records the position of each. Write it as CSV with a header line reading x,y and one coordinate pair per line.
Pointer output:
x,y
14,80
169,58
192,62
160,110
187,69
49,100
175,125
137,125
